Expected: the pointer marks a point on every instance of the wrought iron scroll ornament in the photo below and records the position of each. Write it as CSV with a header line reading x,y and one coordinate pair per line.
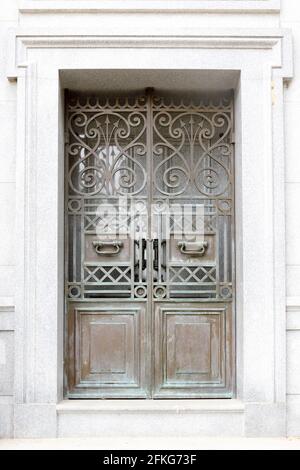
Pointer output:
x,y
152,151
196,135
104,144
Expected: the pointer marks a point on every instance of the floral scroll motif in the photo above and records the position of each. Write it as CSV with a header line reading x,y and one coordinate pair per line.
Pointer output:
x,y
150,197
192,150
107,152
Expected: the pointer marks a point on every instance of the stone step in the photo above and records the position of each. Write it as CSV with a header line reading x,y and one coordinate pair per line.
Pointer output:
x,y
142,418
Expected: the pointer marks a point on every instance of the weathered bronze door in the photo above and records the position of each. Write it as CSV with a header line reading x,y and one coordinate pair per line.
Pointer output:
x,y
149,237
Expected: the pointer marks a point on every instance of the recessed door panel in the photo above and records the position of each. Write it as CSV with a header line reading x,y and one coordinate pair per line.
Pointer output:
x,y
193,350
107,350
149,238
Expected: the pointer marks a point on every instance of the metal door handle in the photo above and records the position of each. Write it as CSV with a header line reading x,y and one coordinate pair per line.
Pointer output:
x,y
193,248
100,244
155,259
144,248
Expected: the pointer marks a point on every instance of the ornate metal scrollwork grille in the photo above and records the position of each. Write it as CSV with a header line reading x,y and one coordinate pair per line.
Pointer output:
x,y
149,198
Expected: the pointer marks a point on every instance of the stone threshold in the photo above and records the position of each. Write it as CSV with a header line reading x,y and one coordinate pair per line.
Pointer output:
x,y
151,406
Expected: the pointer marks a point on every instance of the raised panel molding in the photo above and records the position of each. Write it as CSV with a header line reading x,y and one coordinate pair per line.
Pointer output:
x,y
106,344
192,350
106,350
96,6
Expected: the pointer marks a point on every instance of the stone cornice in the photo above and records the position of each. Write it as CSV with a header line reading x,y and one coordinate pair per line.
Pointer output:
x,y
97,6
280,41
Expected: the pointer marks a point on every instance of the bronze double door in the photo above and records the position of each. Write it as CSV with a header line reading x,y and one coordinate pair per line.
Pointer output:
x,y
149,247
